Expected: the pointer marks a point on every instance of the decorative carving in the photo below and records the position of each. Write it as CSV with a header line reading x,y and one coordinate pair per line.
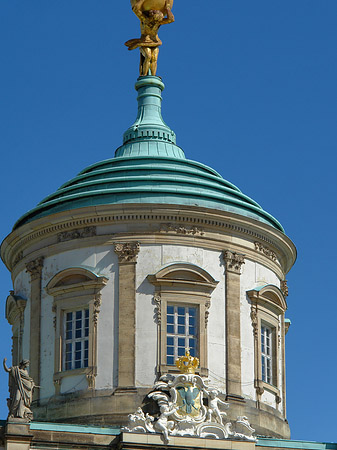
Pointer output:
x,y
18,258
284,288
97,308
213,410
80,233
128,252
180,229
35,267
207,306
233,261
21,388
259,390
181,398
255,323
265,250
91,378
157,300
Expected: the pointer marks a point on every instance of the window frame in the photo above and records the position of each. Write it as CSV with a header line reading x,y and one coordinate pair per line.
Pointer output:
x,y
182,284
83,293
268,306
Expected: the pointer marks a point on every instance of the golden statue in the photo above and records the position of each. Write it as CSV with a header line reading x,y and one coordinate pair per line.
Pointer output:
x,y
152,15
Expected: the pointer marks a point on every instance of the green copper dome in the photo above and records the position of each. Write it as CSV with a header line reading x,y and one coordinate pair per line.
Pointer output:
x,y
149,168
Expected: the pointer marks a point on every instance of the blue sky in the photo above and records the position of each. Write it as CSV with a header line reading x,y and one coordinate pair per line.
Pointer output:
x,y
250,91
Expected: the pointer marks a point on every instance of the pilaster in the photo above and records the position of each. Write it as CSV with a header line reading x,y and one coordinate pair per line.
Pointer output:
x,y
127,258
233,262
35,269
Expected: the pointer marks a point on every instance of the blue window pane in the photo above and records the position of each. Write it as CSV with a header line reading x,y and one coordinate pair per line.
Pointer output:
x,y
69,335
78,323
86,334
78,333
68,365
170,328
192,321
78,315
77,364
181,351
192,331
170,310
192,343
77,346
181,329
192,311
170,360
170,351
69,316
86,363
181,342
86,354
181,311
86,313
170,319
170,341
181,320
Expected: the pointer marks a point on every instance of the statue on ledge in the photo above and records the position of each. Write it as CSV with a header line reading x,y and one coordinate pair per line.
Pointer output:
x,y
20,391
152,15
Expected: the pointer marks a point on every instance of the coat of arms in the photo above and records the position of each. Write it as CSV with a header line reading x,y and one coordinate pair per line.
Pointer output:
x,y
189,407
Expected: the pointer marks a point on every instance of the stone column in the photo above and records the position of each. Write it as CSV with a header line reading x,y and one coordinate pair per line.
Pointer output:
x,y
233,263
127,257
35,270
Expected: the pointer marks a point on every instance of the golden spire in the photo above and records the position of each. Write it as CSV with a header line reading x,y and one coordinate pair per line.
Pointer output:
x,y
152,15
187,363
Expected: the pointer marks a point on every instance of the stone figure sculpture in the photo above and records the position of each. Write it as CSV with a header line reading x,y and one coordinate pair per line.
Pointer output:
x,y
166,408
152,15
21,388
213,410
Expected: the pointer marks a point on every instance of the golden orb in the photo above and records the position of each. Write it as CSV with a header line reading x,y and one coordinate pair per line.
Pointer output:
x,y
158,5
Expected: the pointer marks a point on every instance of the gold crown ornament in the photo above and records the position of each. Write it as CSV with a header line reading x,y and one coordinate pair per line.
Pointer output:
x,y
187,363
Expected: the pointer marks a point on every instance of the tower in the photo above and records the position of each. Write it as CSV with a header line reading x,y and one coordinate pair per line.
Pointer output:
x,y
134,260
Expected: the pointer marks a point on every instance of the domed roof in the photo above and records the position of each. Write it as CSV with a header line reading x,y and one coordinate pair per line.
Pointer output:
x,y
149,168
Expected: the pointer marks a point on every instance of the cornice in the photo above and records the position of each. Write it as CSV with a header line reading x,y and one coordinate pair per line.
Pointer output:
x,y
211,228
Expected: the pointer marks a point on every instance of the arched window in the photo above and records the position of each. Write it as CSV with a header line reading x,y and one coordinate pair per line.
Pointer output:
x,y
268,306
77,299
183,297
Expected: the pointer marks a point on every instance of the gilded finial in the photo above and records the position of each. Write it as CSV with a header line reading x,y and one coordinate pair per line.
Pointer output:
x,y
187,363
152,15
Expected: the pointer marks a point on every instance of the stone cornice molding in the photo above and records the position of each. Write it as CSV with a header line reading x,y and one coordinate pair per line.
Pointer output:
x,y
200,223
35,267
233,261
127,252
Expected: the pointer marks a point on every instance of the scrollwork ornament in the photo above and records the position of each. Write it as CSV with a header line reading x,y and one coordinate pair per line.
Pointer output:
x,y
254,318
284,288
233,261
207,306
35,267
97,308
157,301
127,252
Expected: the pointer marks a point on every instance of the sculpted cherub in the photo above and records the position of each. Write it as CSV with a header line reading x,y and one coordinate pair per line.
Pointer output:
x,y
149,42
166,408
213,406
